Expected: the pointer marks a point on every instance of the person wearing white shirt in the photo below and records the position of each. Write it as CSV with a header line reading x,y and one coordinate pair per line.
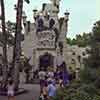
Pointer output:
x,y
42,75
10,91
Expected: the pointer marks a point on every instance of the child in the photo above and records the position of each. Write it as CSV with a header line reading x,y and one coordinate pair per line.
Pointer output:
x,y
61,82
51,89
10,89
42,75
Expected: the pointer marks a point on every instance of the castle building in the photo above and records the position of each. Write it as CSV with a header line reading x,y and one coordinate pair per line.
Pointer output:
x,y
45,39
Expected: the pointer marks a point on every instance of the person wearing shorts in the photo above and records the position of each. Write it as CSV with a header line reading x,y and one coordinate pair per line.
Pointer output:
x,y
10,90
51,89
42,75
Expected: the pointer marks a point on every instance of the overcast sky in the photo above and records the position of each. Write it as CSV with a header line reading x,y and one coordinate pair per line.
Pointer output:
x,y
83,13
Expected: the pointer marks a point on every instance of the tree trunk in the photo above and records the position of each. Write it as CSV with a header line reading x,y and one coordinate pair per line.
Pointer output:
x,y
17,47
4,43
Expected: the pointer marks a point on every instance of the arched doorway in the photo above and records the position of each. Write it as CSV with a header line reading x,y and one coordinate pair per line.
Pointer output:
x,y
45,61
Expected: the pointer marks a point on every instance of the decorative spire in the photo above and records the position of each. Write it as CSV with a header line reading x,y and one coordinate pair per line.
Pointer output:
x,y
55,2
66,15
35,13
24,17
34,10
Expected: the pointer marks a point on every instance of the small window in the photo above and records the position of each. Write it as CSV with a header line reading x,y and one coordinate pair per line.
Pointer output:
x,y
40,22
83,53
73,61
51,23
73,53
28,23
79,58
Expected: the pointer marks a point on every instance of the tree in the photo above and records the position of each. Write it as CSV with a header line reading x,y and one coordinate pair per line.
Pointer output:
x,y
90,75
93,62
71,41
80,40
4,43
94,59
10,32
17,47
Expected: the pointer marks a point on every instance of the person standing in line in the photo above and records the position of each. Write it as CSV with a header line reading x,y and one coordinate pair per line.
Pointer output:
x,y
10,90
60,76
65,74
71,74
50,71
56,75
50,74
42,75
43,92
51,90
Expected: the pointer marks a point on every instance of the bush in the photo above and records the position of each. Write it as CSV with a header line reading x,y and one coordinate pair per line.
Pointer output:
x,y
89,86
78,91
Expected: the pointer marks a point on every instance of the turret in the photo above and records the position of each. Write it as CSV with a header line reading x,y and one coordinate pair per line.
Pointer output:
x,y
63,26
66,18
66,15
55,2
25,23
24,18
35,13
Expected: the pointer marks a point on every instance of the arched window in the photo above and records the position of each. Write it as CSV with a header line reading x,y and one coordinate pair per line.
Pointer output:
x,y
79,58
51,23
40,26
73,61
83,53
28,23
73,53
40,22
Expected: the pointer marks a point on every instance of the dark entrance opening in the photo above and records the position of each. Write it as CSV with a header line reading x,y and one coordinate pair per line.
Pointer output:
x,y
45,61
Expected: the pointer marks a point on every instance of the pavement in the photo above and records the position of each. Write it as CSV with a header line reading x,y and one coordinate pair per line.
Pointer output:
x,y
32,94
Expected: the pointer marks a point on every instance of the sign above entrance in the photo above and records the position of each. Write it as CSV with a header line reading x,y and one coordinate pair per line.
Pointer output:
x,y
46,39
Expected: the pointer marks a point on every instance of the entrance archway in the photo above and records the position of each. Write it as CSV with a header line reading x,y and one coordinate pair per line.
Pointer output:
x,y
46,60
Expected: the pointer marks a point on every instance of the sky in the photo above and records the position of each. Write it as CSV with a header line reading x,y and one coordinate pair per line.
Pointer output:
x,y
83,13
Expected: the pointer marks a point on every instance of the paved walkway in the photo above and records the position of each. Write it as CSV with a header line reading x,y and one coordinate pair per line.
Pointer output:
x,y
31,95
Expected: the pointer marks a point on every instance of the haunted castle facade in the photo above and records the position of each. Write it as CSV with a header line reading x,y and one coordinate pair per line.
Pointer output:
x,y
45,39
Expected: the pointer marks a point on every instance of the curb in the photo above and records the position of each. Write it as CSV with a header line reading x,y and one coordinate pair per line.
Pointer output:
x,y
19,92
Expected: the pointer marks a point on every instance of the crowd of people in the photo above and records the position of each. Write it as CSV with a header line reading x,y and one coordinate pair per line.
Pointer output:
x,y
52,79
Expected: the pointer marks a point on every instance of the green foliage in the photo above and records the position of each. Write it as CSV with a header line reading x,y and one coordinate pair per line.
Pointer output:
x,y
10,29
94,59
89,75
89,86
71,41
80,40
78,91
